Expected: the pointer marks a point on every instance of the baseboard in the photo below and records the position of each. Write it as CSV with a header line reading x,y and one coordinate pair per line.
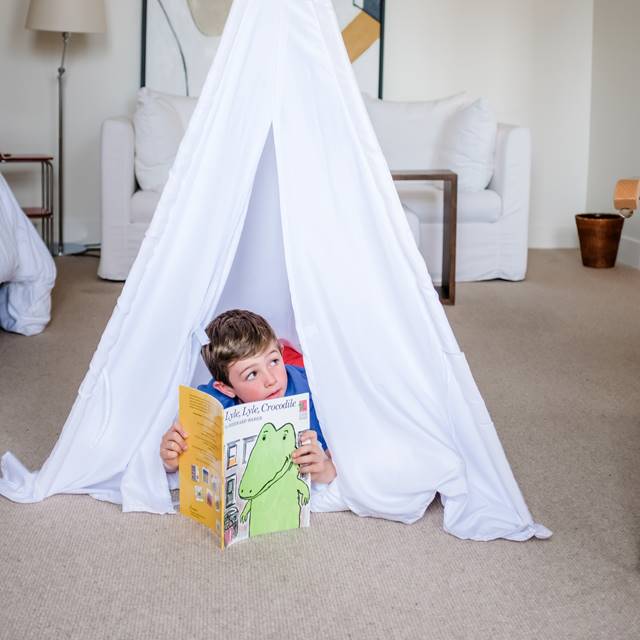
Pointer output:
x,y
629,252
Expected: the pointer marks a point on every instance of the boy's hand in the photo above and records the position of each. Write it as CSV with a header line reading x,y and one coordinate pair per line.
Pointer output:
x,y
172,445
311,459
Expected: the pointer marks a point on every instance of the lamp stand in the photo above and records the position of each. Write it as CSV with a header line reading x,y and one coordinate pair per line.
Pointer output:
x,y
69,248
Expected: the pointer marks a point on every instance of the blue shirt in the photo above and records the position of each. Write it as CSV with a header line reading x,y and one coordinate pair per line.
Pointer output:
x,y
296,383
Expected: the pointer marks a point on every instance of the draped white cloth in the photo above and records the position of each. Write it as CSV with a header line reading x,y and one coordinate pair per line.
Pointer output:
x,y
27,271
280,201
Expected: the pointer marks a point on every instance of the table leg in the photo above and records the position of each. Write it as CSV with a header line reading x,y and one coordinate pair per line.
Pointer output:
x,y
49,204
447,289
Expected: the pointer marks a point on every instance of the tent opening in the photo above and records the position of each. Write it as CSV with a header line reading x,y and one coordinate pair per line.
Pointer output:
x,y
258,278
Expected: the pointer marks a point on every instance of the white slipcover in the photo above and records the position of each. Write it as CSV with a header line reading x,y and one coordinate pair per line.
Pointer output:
x,y
413,135
280,200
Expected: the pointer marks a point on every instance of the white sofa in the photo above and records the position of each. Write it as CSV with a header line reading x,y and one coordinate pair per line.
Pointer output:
x,y
493,163
450,133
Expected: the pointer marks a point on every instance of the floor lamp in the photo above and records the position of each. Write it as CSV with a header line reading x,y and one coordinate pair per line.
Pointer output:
x,y
66,17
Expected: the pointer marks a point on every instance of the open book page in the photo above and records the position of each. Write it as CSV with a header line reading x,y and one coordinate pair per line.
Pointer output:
x,y
200,466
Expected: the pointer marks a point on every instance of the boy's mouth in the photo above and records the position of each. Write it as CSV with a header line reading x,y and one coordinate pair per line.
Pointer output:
x,y
275,394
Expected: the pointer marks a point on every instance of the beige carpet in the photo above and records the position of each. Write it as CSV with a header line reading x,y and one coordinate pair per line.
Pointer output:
x,y
557,358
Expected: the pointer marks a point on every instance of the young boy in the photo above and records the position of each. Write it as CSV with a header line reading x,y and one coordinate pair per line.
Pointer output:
x,y
245,360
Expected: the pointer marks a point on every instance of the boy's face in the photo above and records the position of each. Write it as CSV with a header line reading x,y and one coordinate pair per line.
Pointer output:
x,y
257,377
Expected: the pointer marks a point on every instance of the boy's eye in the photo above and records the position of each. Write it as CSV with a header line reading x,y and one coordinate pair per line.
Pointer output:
x,y
275,361
251,375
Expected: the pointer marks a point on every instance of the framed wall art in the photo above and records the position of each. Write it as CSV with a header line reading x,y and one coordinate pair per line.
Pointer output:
x,y
180,39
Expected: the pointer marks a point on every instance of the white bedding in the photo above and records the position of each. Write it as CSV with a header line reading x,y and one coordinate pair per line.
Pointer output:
x,y
27,271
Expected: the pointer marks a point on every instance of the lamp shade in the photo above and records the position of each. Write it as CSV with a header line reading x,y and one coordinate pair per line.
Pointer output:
x,y
74,16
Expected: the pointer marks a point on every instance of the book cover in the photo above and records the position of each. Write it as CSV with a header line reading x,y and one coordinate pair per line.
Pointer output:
x,y
237,476
200,467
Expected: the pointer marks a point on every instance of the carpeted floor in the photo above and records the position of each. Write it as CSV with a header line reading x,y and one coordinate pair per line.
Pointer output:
x,y
557,358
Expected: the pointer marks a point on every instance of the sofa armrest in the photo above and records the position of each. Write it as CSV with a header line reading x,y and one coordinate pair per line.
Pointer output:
x,y
512,172
117,172
118,184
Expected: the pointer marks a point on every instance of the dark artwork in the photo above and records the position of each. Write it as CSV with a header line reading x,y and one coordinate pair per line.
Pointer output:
x,y
372,7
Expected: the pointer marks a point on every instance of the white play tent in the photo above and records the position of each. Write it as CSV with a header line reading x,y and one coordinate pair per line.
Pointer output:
x,y
280,201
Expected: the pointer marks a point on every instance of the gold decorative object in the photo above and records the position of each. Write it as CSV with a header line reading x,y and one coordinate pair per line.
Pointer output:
x,y
626,196
360,34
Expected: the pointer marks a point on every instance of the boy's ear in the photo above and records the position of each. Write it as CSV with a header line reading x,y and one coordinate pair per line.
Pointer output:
x,y
224,388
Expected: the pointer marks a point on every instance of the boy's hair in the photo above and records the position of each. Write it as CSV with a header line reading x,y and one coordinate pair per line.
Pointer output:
x,y
234,335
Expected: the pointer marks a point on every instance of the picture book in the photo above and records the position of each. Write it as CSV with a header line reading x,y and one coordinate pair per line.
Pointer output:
x,y
236,476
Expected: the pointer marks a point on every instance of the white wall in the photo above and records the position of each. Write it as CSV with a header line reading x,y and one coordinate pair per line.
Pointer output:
x,y
615,119
532,60
103,72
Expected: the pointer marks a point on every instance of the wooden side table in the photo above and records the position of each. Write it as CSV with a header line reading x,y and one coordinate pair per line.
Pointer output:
x,y
447,290
43,213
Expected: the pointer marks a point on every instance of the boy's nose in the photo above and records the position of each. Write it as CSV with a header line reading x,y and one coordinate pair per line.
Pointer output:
x,y
270,379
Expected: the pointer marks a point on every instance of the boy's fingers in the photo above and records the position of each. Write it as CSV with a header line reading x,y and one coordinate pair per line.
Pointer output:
x,y
173,445
174,437
305,449
309,460
309,434
177,427
303,454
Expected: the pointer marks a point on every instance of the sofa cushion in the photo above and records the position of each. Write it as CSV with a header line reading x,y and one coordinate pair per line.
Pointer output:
x,y
160,121
411,133
425,200
469,145
143,205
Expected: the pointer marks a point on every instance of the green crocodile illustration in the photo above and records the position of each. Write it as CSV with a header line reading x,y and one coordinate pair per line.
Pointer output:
x,y
270,484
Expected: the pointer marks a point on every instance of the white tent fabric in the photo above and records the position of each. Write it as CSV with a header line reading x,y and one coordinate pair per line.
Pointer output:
x,y
27,270
280,201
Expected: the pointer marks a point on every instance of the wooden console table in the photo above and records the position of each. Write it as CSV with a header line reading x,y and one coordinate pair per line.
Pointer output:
x,y
44,212
447,290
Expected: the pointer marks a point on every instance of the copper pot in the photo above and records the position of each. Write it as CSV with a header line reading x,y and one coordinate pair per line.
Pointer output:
x,y
599,235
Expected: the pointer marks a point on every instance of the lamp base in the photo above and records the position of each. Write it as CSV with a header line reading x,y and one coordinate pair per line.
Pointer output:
x,y
70,249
